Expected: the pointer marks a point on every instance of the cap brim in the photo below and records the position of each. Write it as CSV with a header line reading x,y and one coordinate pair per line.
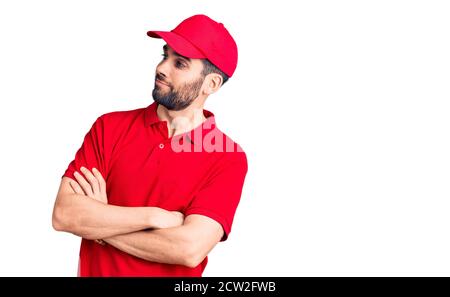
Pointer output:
x,y
178,44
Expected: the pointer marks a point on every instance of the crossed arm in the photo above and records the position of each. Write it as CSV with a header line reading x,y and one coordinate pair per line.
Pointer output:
x,y
81,208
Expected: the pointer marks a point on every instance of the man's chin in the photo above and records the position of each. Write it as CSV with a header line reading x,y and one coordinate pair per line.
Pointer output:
x,y
159,90
166,106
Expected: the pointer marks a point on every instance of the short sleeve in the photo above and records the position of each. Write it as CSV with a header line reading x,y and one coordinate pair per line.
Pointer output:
x,y
219,197
91,153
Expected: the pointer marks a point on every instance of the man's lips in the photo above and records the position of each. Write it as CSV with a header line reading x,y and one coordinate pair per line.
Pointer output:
x,y
157,81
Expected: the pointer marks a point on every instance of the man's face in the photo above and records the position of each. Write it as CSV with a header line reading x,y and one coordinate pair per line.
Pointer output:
x,y
178,80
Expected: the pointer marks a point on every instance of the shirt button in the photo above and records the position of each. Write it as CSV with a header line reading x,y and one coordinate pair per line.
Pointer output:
x,y
161,146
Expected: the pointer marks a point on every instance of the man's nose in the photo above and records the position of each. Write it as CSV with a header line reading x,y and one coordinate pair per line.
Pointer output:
x,y
160,75
162,68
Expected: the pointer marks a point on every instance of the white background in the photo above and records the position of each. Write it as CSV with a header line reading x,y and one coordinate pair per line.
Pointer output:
x,y
341,106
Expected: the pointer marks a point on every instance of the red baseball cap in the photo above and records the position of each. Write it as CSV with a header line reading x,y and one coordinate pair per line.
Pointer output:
x,y
200,37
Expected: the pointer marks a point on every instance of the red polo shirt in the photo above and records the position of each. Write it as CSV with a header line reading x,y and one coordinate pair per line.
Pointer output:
x,y
198,172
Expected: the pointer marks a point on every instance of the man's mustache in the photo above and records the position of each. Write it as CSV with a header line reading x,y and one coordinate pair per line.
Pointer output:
x,y
161,79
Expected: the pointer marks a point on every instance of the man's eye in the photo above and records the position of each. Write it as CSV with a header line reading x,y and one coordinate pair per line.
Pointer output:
x,y
164,56
179,64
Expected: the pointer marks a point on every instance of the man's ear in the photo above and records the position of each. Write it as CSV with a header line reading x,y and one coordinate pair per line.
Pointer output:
x,y
214,82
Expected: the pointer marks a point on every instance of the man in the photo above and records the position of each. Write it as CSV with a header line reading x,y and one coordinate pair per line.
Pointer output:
x,y
151,191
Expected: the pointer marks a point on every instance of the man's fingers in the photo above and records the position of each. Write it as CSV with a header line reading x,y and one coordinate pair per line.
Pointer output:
x,y
76,188
84,184
100,179
100,241
92,180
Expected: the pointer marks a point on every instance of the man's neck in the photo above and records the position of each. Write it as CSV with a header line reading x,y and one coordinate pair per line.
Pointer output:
x,y
181,121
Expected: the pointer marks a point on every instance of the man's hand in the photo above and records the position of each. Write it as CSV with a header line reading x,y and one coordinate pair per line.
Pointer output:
x,y
94,187
168,219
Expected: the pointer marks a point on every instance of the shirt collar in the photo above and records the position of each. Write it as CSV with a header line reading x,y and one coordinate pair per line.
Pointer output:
x,y
151,118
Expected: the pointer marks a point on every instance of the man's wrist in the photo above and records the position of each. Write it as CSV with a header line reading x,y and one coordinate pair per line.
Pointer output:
x,y
153,219
159,218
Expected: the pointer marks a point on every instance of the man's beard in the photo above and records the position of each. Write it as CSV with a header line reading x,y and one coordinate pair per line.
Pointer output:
x,y
178,99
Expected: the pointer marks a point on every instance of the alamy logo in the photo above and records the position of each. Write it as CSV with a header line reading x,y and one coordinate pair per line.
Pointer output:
x,y
195,141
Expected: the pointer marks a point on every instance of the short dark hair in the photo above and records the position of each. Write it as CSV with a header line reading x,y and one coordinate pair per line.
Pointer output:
x,y
209,67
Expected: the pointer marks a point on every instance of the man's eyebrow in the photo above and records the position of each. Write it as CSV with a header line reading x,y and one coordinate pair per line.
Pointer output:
x,y
166,49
